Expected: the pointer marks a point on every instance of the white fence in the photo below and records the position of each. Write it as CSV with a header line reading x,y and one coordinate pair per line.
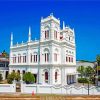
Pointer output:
x,y
7,88
50,89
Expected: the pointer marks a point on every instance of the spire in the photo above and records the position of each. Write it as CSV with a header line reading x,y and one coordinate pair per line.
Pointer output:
x,y
29,34
11,43
63,25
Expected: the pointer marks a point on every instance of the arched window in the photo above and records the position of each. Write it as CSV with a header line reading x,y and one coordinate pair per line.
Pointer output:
x,y
23,71
46,57
55,34
19,58
55,76
24,58
18,71
14,58
31,58
35,57
72,59
46,34
46,77
69,59
46,54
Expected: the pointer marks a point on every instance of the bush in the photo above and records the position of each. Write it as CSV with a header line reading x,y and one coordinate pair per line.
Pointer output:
x,y
28,77
0,77
13,76
82,80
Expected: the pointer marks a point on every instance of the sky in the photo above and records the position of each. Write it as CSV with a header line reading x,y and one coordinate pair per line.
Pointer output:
x,y
83,16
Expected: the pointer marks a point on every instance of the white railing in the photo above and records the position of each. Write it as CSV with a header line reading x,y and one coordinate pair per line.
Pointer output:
x,y
51,89
7,88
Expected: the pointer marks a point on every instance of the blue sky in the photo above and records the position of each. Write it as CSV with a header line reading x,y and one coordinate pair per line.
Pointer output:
x,y
83,16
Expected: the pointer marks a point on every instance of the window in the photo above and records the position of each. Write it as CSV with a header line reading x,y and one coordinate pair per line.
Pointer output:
x,y
55,76
46,34
46,57
35,58
31,57
66,59
72,59
55,34
69,59
46,77
55,57
14,59
24,59
19,58
69,38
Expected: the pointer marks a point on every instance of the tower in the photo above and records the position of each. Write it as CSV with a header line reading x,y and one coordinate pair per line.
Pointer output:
x,y
29,34
11,43
50,28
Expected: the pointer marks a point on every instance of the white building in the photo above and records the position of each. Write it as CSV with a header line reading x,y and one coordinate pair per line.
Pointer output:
x,y
52,59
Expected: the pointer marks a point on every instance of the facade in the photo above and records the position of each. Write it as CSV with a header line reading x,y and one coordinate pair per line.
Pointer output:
x,y
4,68
52,58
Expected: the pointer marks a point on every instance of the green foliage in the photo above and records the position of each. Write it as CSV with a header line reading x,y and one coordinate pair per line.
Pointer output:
x,y
13,76
82,80
0,77
81,70
89,71
98,59
28,77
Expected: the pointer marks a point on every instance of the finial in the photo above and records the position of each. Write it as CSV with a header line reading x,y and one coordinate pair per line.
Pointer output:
x,y
51,14
63,25
22,42
11,39
29,34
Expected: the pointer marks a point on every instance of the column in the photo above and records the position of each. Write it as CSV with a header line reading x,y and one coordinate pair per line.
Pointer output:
x,y
51,76
63,76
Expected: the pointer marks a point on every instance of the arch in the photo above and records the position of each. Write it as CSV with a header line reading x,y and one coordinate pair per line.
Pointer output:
x,y
56,75
46,27
46,50
46,54
46,76
56,50
18,71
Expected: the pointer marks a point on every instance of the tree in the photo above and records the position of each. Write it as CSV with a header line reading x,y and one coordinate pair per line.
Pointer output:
x,y
89,71
81,70
0,77
13,76
98,60
17,77
28,77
